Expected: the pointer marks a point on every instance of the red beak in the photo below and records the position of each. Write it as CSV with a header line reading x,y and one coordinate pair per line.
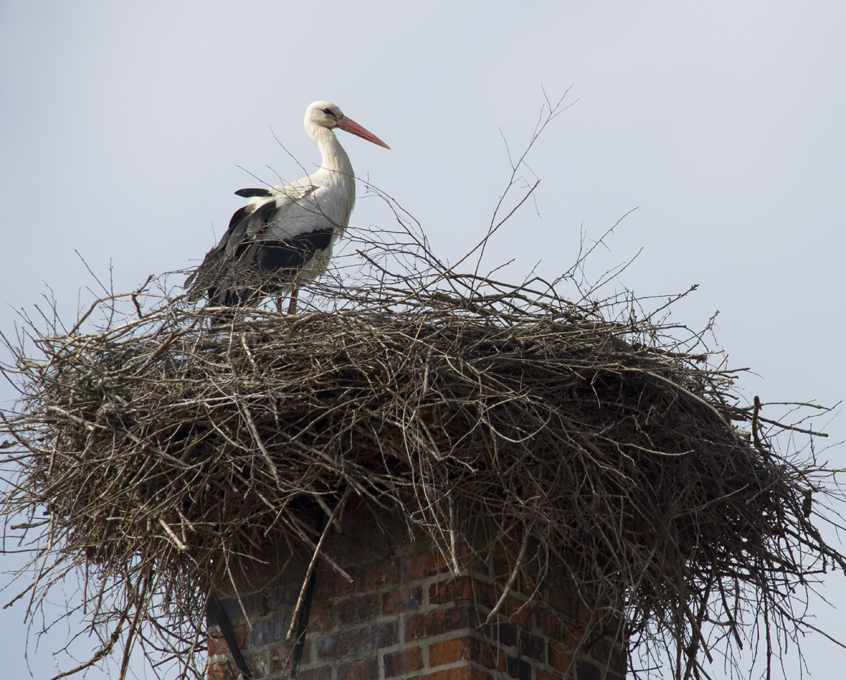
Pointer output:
x,y
349,125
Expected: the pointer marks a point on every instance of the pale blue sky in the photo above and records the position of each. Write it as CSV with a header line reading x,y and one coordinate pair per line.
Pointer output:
x,y
122,127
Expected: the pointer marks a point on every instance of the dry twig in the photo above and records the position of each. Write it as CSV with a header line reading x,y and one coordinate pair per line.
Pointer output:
x,y
165,442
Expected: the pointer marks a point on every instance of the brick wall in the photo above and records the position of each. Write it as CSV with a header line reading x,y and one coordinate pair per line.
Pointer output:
x,y
407,616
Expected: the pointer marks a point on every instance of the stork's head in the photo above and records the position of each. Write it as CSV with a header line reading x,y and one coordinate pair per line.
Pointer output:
x,y
327,115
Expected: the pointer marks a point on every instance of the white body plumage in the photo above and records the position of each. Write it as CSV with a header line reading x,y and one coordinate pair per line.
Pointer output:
x,y
284,236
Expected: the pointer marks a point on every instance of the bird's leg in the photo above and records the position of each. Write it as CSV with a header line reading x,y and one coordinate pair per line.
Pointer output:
x,y
292,305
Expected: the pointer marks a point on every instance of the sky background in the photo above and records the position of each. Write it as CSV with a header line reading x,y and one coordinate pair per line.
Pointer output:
x,y
125,128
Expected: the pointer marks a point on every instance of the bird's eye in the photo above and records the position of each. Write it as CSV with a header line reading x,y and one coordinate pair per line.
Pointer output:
x,y
328,112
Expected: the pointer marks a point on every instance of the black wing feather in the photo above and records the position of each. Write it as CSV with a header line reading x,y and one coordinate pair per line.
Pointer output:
x,y
287,257
254,267
237,216
264,214
271,266
253,193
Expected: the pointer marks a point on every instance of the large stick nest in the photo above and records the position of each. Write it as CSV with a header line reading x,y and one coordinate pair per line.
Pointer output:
x,y
590,439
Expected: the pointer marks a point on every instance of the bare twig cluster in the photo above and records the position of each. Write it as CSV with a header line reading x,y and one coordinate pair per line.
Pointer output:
x,y
150,451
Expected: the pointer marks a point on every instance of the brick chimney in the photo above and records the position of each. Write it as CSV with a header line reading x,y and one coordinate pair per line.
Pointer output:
x,y
407,614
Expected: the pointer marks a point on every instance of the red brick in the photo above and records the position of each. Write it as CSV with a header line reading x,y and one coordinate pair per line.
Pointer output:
x,y
605,651
357,640
485,594
517,612
449,591
421,566
285,594
217,645
355,610
543,675
405,661
527,585
321,619
380,575
449,651
257,662
463,588
573,635
270,629
559,659
331,584
322,673
440,621
361,669
461,673
548,622
402,600
465,649
504,633
280,656
502,569
221,671
466,557
565,602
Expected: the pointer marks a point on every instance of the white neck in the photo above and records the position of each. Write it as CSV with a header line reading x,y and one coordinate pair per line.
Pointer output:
x,y
335,159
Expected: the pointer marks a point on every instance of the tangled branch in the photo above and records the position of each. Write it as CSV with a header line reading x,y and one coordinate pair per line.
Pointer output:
x,y
153,451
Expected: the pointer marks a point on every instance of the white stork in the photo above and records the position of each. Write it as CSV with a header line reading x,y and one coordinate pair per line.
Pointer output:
x,y
284,236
